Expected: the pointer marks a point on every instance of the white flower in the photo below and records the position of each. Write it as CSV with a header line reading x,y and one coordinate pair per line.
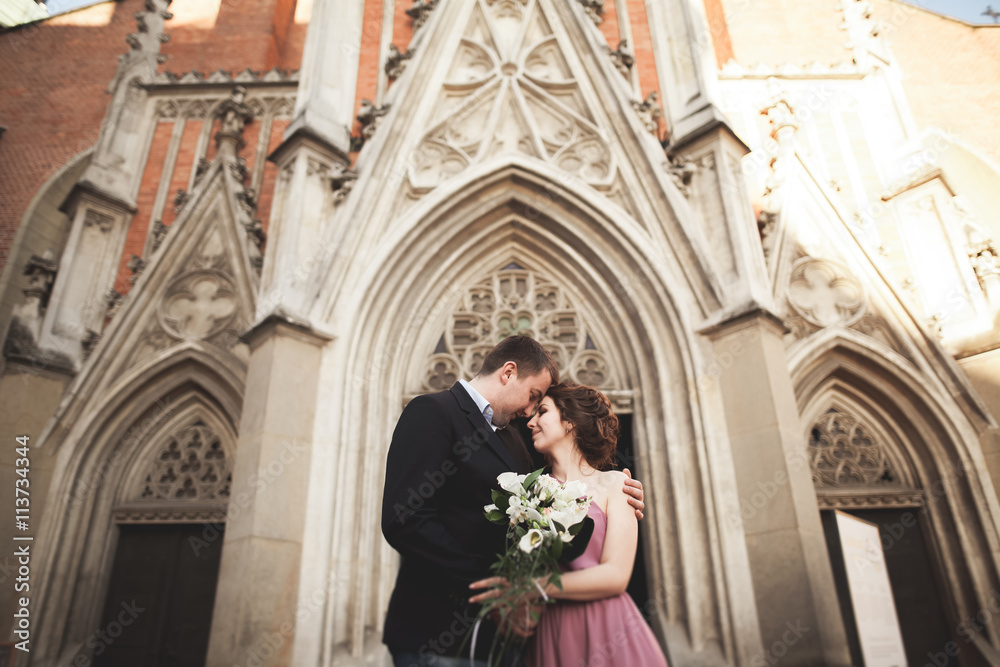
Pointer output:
x,y
511,482
570,491
515,510
531,541
534,515
548,486
569,514
491,508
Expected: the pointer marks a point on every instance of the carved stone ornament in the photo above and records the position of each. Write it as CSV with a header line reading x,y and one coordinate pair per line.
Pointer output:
x,y
649,112
144,44
180,199
594,9
234,114
113,299
89,342
857,501
370,116
191,466
198,305
843,453
510,89
201,170
136,265
825,294
238,168
766,223
681,170
395,62
102,221
420,11
510,302
342,183
247,199
622,58
41,273
159,233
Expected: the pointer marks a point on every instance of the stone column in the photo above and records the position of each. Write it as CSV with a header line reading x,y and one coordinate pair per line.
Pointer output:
x,y
324,106
304,201
256,601
685,65
79,302
313,158
792,579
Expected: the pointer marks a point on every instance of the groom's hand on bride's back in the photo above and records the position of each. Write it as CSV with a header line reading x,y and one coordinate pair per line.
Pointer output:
x,y
633,489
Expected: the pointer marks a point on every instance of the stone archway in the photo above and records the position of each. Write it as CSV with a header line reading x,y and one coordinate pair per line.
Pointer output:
x,y
406,298
858,471
169,525
158,456
889,449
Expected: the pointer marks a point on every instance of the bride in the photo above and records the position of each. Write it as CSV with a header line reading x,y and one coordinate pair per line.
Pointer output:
x,y
595,622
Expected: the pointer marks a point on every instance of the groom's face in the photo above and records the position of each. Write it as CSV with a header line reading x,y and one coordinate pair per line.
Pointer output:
x,y
520,397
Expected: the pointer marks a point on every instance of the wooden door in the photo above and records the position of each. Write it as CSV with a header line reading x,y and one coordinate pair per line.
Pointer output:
x,y
158,611
920,608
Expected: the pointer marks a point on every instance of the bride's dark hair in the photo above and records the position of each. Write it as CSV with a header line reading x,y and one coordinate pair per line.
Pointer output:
x,y
595,425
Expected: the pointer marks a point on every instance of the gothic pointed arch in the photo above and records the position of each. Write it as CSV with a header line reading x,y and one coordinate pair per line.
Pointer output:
x,y
915,445
173,429
517,225
182,474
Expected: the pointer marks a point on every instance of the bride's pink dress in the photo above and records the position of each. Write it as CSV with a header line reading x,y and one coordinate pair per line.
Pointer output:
x,y
599,633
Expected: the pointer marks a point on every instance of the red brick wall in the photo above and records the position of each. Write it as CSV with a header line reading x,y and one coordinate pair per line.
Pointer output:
x,y
136,238
645,62
609,26
959,94
240,34
719,29
54,81
368,59
266,198
776,32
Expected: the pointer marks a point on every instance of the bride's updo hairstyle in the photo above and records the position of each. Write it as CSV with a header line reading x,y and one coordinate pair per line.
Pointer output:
x,y
595,425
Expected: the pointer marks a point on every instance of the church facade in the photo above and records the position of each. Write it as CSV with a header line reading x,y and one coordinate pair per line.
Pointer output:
x,y
767,230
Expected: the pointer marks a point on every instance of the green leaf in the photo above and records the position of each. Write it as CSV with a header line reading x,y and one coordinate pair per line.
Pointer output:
x,y
496,516
530,479
500,498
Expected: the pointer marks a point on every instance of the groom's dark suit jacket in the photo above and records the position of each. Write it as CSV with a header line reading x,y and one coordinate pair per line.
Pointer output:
x,y
443,461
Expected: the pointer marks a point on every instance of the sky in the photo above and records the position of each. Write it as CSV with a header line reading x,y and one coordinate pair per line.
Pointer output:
x,y
967,10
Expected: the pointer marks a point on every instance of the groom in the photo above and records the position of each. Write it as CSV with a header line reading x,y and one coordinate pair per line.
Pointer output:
x,y
446,453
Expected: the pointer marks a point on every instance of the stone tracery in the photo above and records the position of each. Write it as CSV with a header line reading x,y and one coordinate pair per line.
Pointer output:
x,y
191,466
842,452
511,90
509,302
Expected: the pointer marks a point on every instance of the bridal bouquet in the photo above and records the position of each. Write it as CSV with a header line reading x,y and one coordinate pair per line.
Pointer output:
x,y
547,524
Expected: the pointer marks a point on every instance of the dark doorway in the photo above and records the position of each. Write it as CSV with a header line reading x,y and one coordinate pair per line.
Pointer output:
x,y
625,458
158,611
919,605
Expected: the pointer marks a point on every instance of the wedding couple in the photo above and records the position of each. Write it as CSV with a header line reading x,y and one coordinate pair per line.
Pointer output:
x,y
446,453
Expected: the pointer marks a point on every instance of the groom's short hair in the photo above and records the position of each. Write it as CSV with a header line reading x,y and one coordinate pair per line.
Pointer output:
x,y
529,355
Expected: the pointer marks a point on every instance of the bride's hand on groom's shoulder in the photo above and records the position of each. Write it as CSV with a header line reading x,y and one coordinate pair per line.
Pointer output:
x,y
633,489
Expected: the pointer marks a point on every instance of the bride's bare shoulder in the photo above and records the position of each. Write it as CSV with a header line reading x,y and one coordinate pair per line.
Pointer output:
x,y
610,479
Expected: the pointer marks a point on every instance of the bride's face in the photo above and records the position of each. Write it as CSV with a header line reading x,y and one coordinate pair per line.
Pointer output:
x,y
548,430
